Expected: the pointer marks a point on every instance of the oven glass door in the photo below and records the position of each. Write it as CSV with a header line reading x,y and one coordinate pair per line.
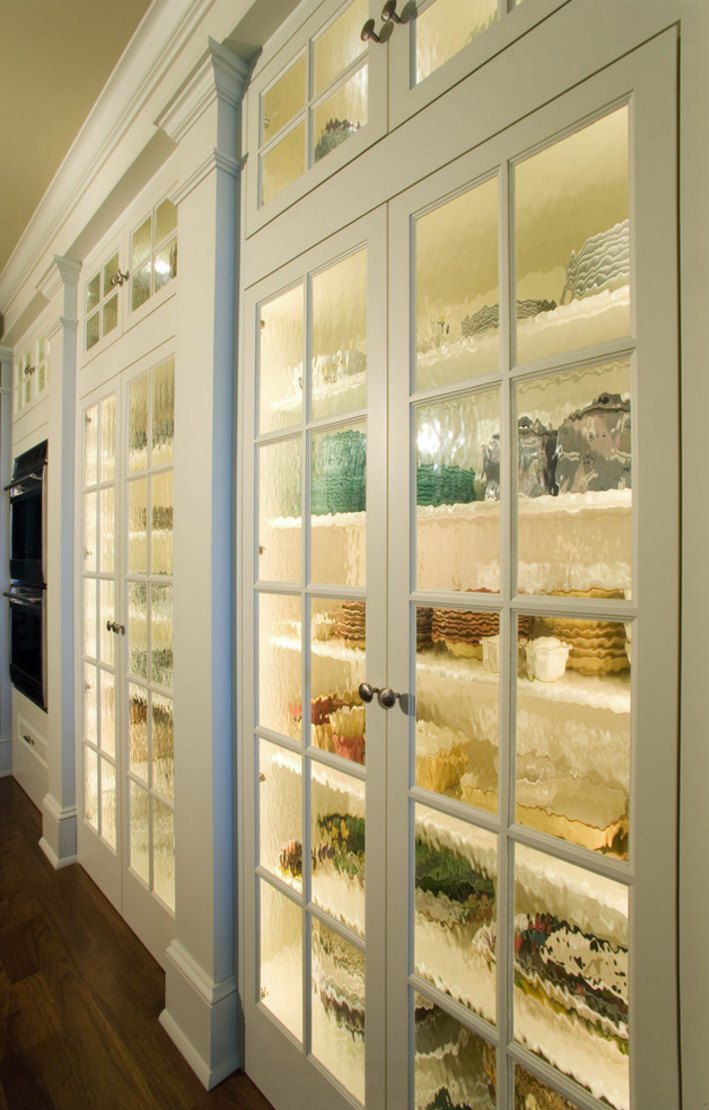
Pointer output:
x,y
27,652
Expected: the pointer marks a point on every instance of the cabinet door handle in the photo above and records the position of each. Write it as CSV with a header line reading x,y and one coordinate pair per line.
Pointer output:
x,y
386,697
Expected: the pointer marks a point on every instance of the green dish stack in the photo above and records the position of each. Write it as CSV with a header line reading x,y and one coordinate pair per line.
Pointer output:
x,y
444,485
338,473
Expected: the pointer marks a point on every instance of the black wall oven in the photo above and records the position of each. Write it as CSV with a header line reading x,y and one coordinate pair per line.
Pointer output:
x,y
28,662
27,591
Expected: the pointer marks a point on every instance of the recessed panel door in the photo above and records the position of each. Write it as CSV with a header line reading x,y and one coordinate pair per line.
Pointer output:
x,y
315,632
532,792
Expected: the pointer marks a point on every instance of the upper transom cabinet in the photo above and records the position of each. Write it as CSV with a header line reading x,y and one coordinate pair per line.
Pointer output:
x,y
129,274
339,75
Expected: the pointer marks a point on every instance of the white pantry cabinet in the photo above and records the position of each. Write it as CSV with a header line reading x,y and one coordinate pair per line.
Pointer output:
x,y
459,599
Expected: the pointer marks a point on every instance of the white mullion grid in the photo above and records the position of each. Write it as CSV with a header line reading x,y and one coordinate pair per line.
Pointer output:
x,y
508,636
306,607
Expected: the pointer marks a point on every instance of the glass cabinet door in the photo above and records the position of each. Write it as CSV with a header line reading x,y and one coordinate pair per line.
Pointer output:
x,y
126,719
317,102
314,604
99,638
439,42
529,621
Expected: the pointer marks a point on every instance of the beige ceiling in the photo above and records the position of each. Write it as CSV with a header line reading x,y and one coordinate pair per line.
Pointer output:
x,y
56,57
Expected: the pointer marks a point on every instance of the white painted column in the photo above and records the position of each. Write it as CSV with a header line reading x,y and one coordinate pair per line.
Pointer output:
x,y
201,1008
5,470
59,803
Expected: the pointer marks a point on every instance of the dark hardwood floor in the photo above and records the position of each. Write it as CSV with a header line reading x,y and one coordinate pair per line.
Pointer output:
x,y
79,994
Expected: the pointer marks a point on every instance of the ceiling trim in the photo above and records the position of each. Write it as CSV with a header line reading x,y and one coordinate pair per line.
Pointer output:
x,y
161,36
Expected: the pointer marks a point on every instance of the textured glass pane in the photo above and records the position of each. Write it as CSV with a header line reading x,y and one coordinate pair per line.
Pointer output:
x,y
109,272
91,787
89,624
138,526
138,731
90,533
108,802
108,532
91,446
280,697
164,852
457,511
92,332
138,628
138,424
340,115
165,265
284,163
281,361
337,808
93,292
140,832
338,480
107,462
280,795
573,732
163,412
163,746
573,241
457,700
571,972
455,924
338,46
107,638
90,721
453,1067
457,289
161,634
337,666
281,948
165,220
339,337
444,28
338,1007
110,314
108,713
280,478
574,481
283,100
532,1094
140,286
161,534
141,242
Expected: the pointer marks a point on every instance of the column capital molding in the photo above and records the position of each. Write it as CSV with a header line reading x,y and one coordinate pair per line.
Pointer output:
x,y
216,160
6,352
218,75
61,271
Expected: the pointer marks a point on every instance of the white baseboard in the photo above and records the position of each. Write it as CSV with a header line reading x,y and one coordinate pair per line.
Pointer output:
x,y
201,1017
53,858
58,832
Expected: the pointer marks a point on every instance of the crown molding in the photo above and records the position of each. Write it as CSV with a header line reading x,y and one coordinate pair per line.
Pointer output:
x,y
219,74
161,36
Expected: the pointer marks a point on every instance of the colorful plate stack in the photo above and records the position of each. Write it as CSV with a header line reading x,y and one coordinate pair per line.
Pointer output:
x,y
462,632
350,624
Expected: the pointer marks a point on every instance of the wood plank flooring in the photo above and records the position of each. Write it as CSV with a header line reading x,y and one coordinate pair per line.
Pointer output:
x,y
80,995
